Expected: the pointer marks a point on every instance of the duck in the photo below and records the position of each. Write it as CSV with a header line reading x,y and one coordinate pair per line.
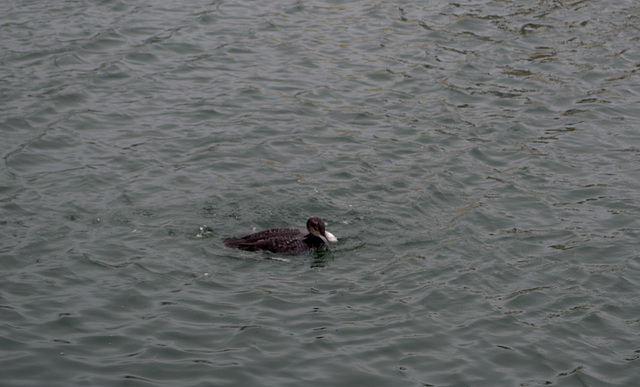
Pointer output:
x,y
285,240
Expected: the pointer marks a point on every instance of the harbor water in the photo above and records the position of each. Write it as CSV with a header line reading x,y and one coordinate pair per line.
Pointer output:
x,y
478,161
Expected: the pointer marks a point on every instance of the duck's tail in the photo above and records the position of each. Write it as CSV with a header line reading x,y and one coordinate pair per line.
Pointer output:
x,y
232,243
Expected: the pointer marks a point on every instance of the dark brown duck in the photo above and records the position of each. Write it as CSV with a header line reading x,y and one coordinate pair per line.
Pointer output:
x,y
284,240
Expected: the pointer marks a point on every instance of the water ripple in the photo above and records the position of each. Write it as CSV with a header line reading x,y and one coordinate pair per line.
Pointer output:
x,y
476,161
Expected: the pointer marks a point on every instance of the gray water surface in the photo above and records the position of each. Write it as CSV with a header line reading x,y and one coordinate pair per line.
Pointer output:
x,y
479,162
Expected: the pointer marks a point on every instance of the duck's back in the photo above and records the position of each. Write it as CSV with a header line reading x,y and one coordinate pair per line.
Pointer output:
x,y
276,240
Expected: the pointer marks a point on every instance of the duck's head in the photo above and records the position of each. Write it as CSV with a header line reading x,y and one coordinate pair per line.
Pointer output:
x,y
315,226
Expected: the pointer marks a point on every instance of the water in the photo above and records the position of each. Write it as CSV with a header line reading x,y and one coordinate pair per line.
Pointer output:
x,y
478,160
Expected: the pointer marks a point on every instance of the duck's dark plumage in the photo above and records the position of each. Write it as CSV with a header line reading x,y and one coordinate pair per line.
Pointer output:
x,y
283,240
